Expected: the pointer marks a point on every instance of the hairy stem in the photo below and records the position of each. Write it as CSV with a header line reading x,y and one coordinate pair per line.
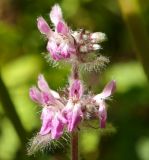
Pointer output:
x,y
74,146
75,71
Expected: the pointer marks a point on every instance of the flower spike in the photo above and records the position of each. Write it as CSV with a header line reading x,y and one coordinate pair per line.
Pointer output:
x,y
65,113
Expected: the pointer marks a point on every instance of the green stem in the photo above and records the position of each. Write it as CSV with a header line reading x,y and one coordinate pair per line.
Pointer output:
x,y
131,12
11,113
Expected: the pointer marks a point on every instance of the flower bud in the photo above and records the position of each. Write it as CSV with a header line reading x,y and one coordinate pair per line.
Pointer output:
x,y
89,47
85,37
83,49
96,46
97,37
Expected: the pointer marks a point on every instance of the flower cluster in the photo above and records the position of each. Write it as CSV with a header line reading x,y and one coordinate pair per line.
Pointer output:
x,y
66,113
63,43
58,113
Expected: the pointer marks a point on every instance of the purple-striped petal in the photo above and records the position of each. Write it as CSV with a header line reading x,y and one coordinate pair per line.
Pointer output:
x,y
54,50
76,89
62,28
46,117
109,89
56,14
102,114
42,84
48,99
35,95
43,26
74,117
57,128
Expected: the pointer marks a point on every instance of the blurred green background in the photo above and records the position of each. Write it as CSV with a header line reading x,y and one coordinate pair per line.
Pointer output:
x,y
126,24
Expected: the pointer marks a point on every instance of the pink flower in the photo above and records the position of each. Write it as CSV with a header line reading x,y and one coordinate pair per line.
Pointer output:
x,y
52,122
46,118
100,100
64,43
52,119
61,44
76,89
66,113
73,112
58,123
44,95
